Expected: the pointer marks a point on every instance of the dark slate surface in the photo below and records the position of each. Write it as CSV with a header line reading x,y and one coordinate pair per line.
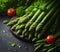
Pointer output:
x,y
7,37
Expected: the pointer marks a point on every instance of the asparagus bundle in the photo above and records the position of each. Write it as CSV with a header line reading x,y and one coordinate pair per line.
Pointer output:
x,y
38,19
34,17
45,19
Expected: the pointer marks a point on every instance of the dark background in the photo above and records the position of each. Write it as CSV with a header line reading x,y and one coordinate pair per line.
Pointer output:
x,y
7,37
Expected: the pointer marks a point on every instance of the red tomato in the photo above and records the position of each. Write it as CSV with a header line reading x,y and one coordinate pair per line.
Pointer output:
x,y
11,12
50,39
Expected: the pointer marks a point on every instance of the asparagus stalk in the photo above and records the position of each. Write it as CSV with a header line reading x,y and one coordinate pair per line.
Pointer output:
x,y
34,39
38,47
13,27
46,47
18,32
17,27
50,5
13,22
37,44
52,49
24,31
39,41
20,26
30,36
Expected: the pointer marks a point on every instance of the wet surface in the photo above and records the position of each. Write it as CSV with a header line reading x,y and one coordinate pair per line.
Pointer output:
x,y
7,37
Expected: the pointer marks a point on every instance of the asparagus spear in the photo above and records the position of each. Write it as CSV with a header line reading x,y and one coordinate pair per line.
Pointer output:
x,y
34,39
13,27
18,32
50,5
13,22
24,31
53,48
38,47
37,44
39,41
20,26
46,47
17,27
30,36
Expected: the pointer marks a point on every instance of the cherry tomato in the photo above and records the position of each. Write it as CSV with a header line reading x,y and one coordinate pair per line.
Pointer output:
x,y
50,39
11,12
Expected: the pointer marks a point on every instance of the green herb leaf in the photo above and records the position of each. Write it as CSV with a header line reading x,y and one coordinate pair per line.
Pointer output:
x,y
5,21
12,44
